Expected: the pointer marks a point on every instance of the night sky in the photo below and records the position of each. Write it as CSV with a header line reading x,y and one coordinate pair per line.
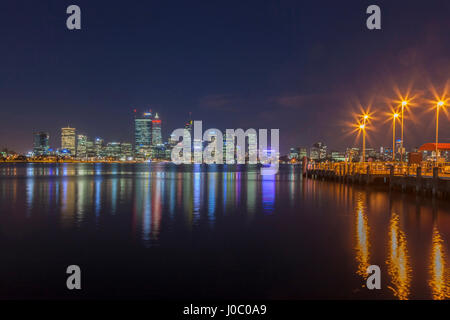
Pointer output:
x,y
300,66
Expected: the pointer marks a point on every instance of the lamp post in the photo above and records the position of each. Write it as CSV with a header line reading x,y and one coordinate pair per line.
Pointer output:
x,y
363,128
438,106
395,116
404,103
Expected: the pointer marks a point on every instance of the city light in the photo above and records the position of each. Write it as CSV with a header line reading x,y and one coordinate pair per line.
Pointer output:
x,y
148,142
394,117
404,104
362,127
440,104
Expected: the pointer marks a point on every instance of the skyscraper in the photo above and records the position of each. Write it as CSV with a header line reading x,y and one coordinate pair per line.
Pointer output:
x,y
68,140
81,146
143,135
252,147
90,149
99,152
156,131
318,151
40,143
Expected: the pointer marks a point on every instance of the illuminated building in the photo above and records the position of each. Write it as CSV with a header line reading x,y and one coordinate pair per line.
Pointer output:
x,y
337,156
386,153
81,146
167,150
302,152
252,147
188,133
398,149
99,148
228,148
159,152
113,150
318,151
126,151
429,151
90,149
68,140
156,131
40,143
143,135
297,153
293,154
371,153
352,154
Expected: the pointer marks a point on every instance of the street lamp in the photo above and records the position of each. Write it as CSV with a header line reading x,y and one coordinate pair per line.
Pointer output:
x,y
438,106
363,128
395,116
404,104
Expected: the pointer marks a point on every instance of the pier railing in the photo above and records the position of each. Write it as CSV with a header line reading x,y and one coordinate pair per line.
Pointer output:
x,y
383,168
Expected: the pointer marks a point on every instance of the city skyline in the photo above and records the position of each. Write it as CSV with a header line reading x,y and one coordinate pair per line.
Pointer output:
x,y
148,134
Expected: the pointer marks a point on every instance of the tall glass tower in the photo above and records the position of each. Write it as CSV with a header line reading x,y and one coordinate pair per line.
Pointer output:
x,y
40,145
143,135
68,140
82,146
156,131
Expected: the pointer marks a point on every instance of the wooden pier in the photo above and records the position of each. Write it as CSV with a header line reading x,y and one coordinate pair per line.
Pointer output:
x,y
426,178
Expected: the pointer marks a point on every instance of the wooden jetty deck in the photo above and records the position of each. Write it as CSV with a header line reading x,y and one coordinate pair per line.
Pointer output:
x,y
426,178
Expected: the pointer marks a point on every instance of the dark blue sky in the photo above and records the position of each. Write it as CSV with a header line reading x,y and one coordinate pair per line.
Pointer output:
x,y
300,66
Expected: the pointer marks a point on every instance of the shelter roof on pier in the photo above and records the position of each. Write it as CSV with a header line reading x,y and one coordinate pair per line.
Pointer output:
x,y
432,146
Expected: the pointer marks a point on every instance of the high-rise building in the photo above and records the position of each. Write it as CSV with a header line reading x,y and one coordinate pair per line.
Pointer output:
x,y
318,151
253,147
99,148
303,152
229,149
293,154
188,135
156,131
143,135
398,148
68,140
90,149
40,143
81,146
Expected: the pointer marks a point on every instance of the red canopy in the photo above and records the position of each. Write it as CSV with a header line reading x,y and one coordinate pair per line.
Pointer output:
x,y
432,146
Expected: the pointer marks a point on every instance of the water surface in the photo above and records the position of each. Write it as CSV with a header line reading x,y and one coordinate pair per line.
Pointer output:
x,y
159,231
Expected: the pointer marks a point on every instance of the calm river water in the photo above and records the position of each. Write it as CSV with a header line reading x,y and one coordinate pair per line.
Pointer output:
x,y
159,231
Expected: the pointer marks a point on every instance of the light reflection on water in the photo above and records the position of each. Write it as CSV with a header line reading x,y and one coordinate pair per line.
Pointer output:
x,y
164,206
362,236
398,261
439,273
